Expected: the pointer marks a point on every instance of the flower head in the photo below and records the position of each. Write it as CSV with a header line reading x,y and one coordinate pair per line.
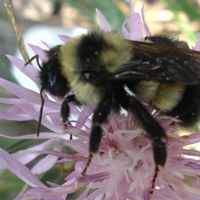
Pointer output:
x,y
124,166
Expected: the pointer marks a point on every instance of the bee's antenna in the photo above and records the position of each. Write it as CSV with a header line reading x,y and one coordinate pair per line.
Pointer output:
x,y
41,111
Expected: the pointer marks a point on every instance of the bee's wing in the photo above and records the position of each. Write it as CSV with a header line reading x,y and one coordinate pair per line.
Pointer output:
x,y
183,66
160,63
138,71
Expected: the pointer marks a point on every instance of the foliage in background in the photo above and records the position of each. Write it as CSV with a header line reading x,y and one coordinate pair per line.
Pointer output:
x,y
109,8
188,7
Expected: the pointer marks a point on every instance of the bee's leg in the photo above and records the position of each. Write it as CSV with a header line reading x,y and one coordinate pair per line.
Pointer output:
x,y
100,116
31,59
154,179
65,110
153,129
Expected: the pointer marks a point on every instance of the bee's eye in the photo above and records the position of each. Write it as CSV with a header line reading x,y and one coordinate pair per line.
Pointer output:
x,y
56,85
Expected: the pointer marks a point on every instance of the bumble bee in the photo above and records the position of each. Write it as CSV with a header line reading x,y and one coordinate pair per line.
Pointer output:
x,y
96,68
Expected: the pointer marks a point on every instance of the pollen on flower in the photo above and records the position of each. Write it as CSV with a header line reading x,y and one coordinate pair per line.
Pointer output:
x,y
126,155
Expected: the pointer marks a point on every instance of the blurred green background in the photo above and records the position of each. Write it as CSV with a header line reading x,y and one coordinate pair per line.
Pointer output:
x,y
183,16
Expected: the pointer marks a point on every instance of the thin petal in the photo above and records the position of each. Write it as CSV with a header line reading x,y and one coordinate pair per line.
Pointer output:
x,y
94,177
47,45
39,51
83,195
19,169
197,46
146,28
103,22
64,38
20,91
14,117
124,30
46,163
55,118
28,157
42,135
27,107
28,70
83,117
41,193
136,25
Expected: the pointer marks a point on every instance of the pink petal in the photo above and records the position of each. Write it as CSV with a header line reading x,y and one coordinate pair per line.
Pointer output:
x,y
83,195
46,163
14,117
27,107
192,138
33,136
79,145
14,113
146,28
39,51
28,70
21,107
32,97
146,194
193,165
19,169
55,118
14,108
28,157
98,193
64,38
65,156
49,105
136,25
197,46
20,91
73,110
41,193
124,30
64,160
94,177
47,45
103,22
72,176
75,131
83,117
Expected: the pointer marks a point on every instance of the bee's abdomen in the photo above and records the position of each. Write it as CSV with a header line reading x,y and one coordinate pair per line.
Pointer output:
x,y
168,96
163,96
172,98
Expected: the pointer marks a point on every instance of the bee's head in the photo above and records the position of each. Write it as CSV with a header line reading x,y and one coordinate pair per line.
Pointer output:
x,y
50,75
51,78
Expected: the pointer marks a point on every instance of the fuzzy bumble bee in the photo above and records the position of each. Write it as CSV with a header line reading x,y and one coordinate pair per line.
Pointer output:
x,y
97,66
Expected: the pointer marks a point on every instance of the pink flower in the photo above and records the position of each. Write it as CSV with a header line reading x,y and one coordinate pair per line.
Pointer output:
x,y
124,166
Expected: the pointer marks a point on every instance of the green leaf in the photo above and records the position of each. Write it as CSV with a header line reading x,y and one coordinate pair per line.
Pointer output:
x,y
190,9
10,185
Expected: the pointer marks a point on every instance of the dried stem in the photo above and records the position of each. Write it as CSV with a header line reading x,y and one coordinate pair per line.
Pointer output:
x,y
15,26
